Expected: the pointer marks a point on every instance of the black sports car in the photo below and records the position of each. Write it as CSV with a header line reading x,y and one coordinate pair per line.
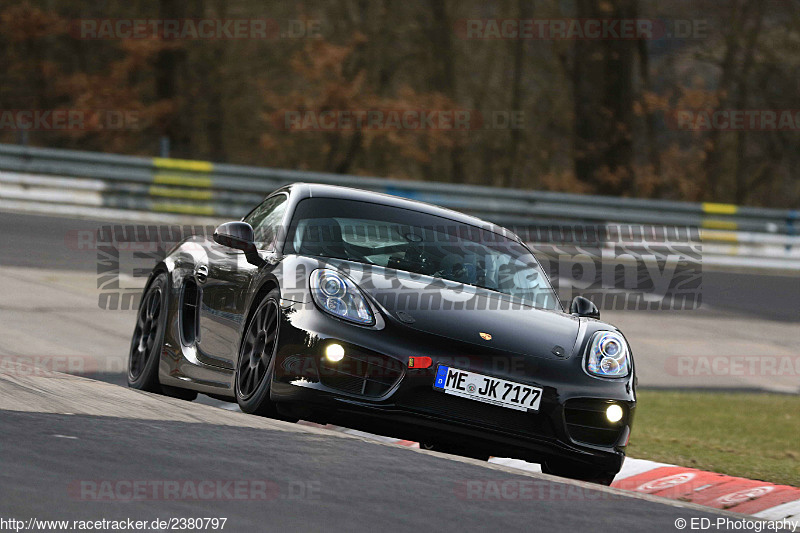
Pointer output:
x,y
392,316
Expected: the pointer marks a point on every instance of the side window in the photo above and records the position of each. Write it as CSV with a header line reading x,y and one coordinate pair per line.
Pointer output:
x,y
265,220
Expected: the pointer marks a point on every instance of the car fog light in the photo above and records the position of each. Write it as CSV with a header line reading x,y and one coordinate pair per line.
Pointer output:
x,y
335,353
614,413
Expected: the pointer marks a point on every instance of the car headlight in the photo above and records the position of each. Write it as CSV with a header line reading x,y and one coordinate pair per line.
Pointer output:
x,y
608,355
339,296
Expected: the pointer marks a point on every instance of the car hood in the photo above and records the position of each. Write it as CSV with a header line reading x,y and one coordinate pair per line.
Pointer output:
x,y
462,313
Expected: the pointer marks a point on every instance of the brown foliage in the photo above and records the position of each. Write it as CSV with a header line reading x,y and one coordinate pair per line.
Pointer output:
x,y
597,117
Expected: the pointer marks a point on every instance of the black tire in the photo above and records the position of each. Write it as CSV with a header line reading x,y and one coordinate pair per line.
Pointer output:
x,y
147,341
579,471
256,360
452,449
148,337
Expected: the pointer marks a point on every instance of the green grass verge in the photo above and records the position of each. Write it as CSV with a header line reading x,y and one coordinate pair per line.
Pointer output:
x,y
750,435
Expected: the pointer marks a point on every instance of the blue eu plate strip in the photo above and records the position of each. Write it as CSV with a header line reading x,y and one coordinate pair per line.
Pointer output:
x,y
441,376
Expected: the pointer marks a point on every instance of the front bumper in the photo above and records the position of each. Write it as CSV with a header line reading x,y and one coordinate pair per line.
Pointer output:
x,y
373,389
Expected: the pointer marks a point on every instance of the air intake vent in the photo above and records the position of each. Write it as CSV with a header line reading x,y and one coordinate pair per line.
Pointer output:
x,y
484,414
190,302
365,375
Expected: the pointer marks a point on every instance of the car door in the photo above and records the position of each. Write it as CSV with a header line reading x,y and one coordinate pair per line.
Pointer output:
x,y
224,280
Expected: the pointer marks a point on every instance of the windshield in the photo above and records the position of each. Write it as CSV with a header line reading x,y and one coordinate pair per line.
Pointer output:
x,y
420,243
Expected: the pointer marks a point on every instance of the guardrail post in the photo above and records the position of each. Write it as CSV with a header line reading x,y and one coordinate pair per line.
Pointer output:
x,y
163,146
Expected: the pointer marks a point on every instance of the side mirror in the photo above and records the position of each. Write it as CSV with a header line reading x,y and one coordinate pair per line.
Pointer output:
x,y
581,306
239,235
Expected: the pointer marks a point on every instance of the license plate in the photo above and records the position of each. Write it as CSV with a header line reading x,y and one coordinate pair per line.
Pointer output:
x,y
487,389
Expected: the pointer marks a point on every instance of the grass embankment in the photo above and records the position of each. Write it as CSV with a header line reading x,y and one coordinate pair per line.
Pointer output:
x,y
750,435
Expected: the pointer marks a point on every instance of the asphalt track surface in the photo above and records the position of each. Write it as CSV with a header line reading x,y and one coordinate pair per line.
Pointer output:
x,y
316,481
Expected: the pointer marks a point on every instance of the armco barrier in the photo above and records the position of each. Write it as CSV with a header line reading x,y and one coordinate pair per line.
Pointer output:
x,y
201,188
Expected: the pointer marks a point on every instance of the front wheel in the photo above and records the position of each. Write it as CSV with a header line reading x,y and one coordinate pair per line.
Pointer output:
x,y
579,471
256,357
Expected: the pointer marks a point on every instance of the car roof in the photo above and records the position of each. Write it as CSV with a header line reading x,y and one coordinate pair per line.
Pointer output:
x,y
321,190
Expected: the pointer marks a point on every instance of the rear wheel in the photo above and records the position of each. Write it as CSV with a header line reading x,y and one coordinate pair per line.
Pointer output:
x,y
256,359
148,337
147,341
452,449
579,471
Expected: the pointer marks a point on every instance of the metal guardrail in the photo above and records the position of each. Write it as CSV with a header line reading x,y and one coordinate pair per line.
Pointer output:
x,y
201,188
